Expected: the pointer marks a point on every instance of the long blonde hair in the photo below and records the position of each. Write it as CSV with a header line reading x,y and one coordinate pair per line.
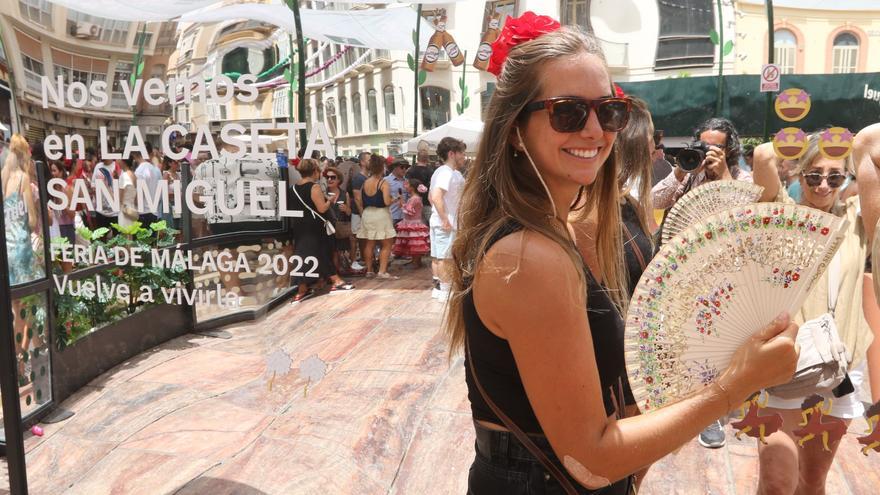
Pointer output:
x,y
503,187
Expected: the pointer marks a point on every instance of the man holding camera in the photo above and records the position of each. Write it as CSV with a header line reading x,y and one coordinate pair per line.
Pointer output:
x,y
714,155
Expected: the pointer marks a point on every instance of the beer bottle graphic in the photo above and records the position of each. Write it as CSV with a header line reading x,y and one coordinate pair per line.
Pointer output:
x,y
452,49
485,51
432,52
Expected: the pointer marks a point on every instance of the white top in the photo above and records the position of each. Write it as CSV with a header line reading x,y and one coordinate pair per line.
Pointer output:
x,y
127,198
452,182
150,175
98,176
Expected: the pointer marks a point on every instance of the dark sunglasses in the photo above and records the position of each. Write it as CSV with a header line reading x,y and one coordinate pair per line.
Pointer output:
x,y
835,180
331,177
570,113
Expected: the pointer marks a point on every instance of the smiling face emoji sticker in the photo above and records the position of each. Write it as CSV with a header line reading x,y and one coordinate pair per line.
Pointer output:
x,y
790,143
792,104
836,143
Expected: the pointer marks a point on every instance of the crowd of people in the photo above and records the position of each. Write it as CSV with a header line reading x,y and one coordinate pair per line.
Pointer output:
x,y
359,214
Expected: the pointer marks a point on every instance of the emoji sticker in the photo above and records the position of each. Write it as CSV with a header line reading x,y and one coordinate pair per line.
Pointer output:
x,y
792,105
790,143
836,143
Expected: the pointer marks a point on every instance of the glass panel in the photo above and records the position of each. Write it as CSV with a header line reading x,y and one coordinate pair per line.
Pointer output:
x,y
390,111
372,110
845,39
267,276
435,107
784,37
343,114
356,111
32,352
23,215
223,214
684,34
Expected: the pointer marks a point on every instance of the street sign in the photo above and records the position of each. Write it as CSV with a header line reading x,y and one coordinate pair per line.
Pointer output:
x,y
770,78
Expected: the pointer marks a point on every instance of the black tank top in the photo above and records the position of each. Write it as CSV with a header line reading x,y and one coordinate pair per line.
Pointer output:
x,y
634,236
494,364
376,200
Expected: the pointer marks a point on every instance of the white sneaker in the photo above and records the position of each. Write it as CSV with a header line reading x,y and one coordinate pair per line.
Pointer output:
x,y
442,295
357,266
435,293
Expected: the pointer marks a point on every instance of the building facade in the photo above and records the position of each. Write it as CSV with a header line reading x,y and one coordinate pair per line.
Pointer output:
x,y
810,37
367,99
43,39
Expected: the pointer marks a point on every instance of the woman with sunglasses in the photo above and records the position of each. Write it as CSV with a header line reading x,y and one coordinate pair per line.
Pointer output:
x,y
543,336
341,207
784,467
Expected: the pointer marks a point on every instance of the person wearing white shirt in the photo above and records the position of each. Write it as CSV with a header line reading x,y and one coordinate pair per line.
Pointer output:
x,y
447,184
149,174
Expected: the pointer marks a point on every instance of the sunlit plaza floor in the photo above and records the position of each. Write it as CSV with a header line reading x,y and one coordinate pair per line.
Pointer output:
x,y
389,415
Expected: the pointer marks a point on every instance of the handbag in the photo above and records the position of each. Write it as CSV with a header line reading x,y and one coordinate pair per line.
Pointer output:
x,y
343,230
328,226
822,363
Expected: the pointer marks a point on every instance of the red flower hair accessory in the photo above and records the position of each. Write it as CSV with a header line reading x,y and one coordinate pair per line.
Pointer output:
x,y
518,30
618,91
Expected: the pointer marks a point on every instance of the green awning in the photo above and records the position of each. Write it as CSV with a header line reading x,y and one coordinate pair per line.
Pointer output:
x,y
679,105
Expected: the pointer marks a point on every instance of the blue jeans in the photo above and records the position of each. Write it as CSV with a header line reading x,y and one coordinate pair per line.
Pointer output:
x,y
503,465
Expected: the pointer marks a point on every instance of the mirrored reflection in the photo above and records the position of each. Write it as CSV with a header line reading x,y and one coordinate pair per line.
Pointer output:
x,y
32,352
22,214
239,195
263,272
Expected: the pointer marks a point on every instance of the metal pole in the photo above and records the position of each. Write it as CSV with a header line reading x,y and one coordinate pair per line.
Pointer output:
x,y
770,52
290,86
135,73
416,73
301,76
15,457
718,104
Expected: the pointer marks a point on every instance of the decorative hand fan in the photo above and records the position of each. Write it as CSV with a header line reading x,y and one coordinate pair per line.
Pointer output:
x,y
713,286
708,199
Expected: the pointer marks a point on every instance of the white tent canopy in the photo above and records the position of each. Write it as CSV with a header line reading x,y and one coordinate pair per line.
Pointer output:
x,y
463,128
373,28
135,10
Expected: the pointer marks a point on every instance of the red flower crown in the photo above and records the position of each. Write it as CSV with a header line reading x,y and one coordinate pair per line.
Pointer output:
x,y
518,30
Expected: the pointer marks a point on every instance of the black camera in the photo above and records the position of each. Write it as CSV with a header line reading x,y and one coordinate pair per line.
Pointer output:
x,y
692,155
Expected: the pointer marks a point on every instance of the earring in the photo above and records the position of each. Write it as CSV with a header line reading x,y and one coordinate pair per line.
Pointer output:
x,y
515,153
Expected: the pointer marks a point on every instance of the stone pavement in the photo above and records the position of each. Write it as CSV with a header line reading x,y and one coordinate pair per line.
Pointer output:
x,y
390,416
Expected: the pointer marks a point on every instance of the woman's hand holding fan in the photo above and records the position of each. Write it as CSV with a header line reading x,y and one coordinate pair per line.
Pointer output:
x,y
701,300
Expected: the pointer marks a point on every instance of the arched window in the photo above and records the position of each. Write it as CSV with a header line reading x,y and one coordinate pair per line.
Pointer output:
x,y
372,110
845,53
785,50
434,106
356,113
390,109
343,115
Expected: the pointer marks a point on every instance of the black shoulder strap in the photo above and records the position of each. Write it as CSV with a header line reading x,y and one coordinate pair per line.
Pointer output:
x,y
518,433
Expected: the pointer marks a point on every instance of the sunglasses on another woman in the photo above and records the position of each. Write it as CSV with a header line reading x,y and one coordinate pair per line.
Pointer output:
x,y
835,179
570,113
331,177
